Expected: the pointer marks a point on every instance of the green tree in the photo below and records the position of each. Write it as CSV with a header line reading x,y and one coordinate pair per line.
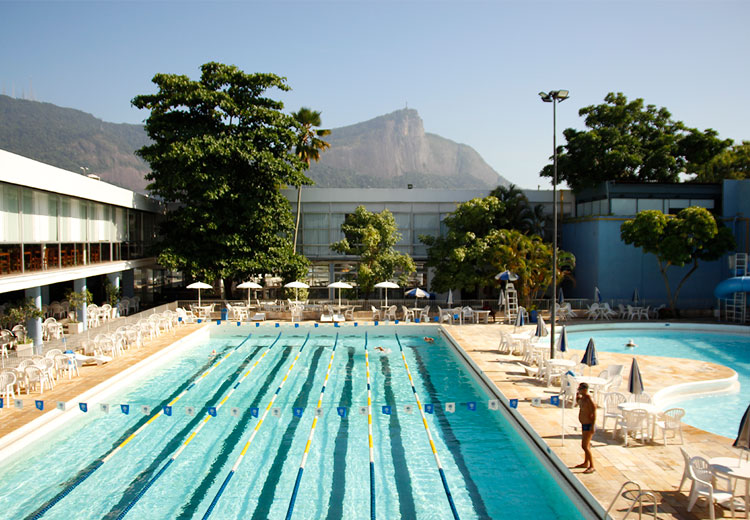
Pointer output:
x,y
221,149
733,163
516,211
692,235
478,245
372,237
630,141
308,148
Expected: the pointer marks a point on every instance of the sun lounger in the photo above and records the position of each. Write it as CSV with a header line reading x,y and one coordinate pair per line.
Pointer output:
x,y
258,316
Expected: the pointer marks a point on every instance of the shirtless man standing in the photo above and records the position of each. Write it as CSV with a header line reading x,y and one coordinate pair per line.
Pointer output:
x,y
587,416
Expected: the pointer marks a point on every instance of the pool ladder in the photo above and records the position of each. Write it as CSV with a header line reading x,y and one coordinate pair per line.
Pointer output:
x,y
638,499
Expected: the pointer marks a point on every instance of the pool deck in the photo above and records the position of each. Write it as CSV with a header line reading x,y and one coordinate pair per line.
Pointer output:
x,y
655,467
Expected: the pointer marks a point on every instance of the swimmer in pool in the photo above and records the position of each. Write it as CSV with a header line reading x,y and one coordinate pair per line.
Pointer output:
x,y
383,350
213,353
428,339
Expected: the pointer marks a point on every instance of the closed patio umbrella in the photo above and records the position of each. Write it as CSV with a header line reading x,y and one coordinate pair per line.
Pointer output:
x,y
248,286
519,319
296,285
635,296
541,328
450,298
597,295
589,357
743,434
339,285
635,382
560,296
501,299
386,285
199,286
562,341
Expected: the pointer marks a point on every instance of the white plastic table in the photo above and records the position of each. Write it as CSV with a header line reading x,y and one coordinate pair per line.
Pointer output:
x,y
651,410
734,468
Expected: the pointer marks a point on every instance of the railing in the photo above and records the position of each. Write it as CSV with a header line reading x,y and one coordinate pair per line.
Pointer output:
x,y
637,499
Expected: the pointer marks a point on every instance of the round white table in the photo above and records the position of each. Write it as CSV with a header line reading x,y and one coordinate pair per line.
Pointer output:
x,y
734,468
556,363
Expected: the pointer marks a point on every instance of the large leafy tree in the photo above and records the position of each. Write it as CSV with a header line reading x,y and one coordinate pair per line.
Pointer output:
x,y
517,212
631,141
692,235
308,148
478,244
373,237
221,149
733,163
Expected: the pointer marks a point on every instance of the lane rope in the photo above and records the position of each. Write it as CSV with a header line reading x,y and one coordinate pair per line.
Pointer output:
x,y
369,432
312,433
194,433
429,435
252,436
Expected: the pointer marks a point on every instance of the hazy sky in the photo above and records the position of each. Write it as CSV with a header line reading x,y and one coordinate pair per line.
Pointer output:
x,y
471,69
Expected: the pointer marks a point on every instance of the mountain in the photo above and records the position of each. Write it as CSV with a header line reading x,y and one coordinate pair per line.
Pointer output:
x,y
394,150
71,139
389,151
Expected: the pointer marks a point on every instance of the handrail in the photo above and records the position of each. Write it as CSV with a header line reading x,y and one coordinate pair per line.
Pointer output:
x,y
193,434
638,499
290,510
255,432
429,435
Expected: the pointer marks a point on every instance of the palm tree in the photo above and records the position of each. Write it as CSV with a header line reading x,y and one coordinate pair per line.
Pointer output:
x,y
309,146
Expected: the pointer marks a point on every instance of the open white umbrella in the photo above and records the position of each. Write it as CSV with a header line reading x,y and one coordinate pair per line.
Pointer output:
x,y
417,293
339,285
248,286
296,285
199,286
506,276
386,286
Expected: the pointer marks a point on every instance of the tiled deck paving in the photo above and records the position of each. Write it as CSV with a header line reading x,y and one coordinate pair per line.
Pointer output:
x,y
656,467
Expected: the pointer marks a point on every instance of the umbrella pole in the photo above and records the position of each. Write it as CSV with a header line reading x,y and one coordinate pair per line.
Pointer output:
x,y
563,420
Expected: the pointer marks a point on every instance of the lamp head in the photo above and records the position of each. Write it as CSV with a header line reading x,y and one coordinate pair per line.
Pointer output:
x,y
561,94
547,98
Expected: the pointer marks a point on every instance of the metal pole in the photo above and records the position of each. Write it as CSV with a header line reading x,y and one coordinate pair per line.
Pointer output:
x,y
554,229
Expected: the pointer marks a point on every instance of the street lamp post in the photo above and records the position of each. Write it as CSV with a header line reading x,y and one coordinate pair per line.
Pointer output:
x,y
554,97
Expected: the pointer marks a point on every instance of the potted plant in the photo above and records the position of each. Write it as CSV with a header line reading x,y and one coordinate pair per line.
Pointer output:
x,y
18,314
77,301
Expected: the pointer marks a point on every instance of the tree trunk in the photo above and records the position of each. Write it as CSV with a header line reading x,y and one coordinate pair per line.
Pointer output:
x,y
299,210
684,278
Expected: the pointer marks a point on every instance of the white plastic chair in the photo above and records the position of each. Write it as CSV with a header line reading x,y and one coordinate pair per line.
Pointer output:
x,y
424,314
469,315
671,420
611,410
702,477
634,423
34,376
390,313
375,313
592,312
686,469
7,384
407,313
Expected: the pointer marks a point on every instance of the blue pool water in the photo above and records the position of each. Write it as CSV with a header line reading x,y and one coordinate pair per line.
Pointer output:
x,y
718,414
489,469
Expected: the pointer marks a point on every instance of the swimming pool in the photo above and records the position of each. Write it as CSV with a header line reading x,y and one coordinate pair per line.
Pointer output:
x,y
97,466
718,414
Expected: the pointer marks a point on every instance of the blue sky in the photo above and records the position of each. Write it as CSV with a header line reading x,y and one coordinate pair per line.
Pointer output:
x,y
471,69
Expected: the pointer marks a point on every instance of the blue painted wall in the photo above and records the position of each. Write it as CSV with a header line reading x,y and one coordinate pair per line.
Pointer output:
x,y
604,261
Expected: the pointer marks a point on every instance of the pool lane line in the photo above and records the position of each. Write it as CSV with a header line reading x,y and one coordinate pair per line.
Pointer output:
x,y
369,432
194,433
173,401
255,432
429,435
450,439
96,464
310,437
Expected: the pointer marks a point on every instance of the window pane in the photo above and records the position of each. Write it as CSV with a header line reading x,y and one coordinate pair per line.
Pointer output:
x,y
623,206
644,204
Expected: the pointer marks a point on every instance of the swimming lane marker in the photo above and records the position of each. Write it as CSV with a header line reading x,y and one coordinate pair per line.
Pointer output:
x,y
253,412
297,412
429,408
167,410
125,408
494,404
211,411
386,410
341,410
450,407
471,406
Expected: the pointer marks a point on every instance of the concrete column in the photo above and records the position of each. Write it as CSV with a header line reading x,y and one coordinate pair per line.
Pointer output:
x,y
114,279
128,283
79,286
34,326
45,294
